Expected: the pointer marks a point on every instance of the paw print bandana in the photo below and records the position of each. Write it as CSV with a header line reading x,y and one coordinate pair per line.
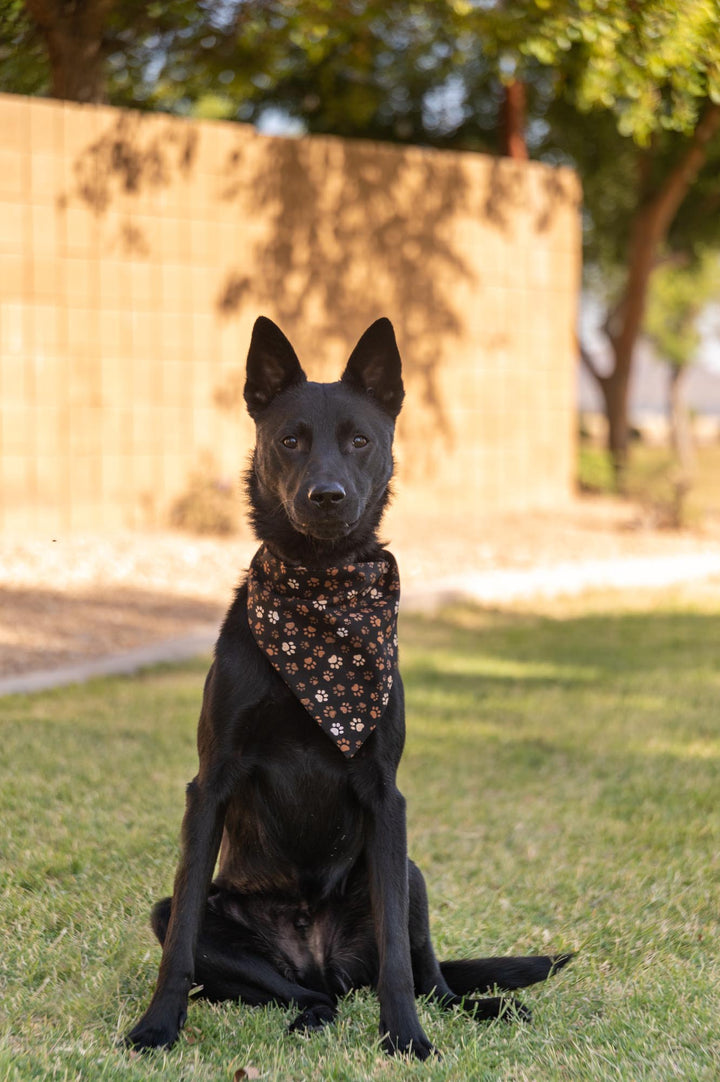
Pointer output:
x,y
331,634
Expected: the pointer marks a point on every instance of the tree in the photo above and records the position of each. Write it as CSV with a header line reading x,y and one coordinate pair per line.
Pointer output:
x,y
679,293
646,79
135,54
54,46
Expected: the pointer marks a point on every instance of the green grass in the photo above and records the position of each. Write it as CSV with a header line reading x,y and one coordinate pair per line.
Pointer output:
x,y
563,785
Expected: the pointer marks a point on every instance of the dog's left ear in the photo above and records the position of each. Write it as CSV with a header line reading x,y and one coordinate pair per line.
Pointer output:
x,y
375,367
272,366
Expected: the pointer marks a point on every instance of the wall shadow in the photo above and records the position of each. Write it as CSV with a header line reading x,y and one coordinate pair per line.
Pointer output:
x,y
332,234
137,154
350,230
62,629
354,231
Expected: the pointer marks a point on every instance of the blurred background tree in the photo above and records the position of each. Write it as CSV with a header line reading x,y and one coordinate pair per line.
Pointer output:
x,y
679,294
625,91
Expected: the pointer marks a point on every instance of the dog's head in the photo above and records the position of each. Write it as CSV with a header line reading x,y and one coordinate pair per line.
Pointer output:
x,y
322,463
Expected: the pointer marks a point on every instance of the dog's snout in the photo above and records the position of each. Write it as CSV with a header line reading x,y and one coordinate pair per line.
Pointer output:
x,y
326,494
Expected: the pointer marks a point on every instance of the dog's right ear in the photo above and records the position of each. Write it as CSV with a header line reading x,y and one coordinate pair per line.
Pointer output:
x,y
272,366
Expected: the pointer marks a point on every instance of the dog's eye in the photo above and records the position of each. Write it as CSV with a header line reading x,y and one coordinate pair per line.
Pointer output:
x,y
360,441
290,442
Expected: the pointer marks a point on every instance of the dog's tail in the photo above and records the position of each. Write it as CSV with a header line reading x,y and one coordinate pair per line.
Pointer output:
x,y
484,974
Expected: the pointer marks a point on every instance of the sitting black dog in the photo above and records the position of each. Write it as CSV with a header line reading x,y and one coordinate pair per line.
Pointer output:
x,y
300,735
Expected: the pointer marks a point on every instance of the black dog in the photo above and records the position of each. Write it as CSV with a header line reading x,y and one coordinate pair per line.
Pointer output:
x,y
300,734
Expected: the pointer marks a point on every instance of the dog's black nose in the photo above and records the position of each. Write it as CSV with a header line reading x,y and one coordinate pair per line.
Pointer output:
x,y
327,493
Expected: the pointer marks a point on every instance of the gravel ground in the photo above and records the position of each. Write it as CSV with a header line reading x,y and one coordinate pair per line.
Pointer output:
x,y
70,599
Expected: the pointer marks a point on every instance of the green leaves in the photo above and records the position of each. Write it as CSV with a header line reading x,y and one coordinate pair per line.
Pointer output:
x,y
678,294
651,65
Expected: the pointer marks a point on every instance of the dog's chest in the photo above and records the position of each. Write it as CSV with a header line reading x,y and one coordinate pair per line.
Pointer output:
x,y
294,818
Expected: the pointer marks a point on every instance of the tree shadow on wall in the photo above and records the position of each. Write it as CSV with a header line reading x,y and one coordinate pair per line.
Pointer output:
x,y
137,154
338,233
354,231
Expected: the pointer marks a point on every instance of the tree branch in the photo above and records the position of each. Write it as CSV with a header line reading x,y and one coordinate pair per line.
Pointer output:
x,y
589,361
650,227
667,202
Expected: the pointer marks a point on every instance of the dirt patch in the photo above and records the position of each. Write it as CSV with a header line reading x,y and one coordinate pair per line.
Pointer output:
x,y
75,598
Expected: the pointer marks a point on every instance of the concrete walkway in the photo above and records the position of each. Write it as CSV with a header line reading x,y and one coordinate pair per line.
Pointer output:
x,y
493,587
200,641
570,578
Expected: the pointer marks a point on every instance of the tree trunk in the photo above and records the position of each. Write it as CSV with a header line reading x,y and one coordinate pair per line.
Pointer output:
x,y
650,227
680,442
680,435
615,393
513,121
73,34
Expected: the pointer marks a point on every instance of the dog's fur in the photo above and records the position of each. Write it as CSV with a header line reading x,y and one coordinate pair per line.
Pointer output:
x,y
314,894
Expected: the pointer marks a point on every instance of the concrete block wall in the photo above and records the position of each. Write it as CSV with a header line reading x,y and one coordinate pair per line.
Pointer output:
x,y
136,252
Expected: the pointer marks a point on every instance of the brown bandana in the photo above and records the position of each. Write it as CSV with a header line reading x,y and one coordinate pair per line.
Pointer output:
x,y
332,636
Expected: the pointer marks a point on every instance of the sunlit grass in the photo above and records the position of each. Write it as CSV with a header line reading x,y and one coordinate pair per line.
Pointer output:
x,y
562,775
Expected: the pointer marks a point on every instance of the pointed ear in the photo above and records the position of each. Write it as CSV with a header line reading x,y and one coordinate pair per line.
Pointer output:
x,y
375,367
272,366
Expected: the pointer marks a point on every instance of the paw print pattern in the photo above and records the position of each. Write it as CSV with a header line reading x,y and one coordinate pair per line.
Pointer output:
x,y
331,634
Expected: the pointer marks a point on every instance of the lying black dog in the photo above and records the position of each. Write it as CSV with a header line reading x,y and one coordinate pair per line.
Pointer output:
x,y
300,735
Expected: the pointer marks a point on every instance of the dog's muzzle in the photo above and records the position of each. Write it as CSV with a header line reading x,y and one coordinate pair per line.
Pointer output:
x,y
326,512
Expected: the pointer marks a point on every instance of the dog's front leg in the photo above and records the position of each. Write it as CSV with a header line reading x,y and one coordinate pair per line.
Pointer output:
x,y
201,834
388,867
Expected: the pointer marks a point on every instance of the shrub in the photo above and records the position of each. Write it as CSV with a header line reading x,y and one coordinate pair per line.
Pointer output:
x,y
209,504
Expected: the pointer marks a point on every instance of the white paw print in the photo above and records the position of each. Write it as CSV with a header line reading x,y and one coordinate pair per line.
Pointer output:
x,y
288,648
321,696
334,661
293,584
259,611
273,616
342,632
337,729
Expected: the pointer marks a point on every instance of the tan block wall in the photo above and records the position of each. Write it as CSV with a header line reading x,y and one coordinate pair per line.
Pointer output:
x,y
136,252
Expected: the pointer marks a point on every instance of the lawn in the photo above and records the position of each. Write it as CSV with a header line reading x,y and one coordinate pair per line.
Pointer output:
x,y
563,782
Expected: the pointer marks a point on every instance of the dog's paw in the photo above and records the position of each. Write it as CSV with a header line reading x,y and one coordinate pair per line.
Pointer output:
x,y
312,1019
416,1046
155,1030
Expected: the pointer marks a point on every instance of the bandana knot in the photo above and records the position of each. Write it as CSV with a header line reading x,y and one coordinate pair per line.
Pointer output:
x,y
331,634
